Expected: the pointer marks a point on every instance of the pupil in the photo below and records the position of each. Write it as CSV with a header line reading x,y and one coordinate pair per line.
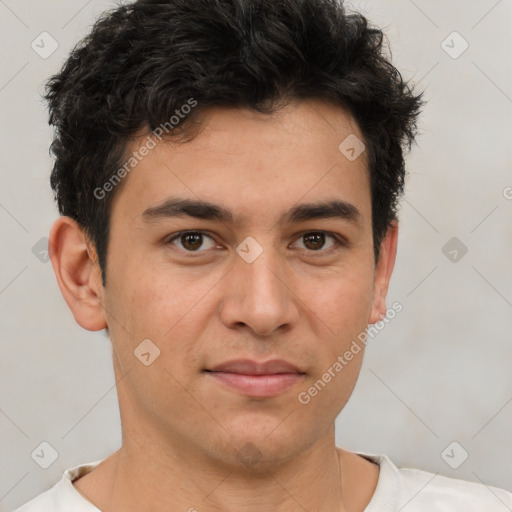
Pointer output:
x,y
195,240
318,240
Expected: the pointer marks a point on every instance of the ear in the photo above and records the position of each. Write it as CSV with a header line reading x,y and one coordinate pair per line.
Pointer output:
x,y
383,272
76,268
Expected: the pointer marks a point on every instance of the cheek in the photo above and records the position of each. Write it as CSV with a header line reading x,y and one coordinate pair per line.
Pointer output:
x,y
170,308
341,303
328,390
166,310
339,311
152,298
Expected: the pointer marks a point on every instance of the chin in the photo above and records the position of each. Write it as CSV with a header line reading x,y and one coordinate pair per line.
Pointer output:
x,y
266,443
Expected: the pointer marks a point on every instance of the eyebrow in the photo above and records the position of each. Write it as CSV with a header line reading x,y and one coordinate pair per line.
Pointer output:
x,y
181,207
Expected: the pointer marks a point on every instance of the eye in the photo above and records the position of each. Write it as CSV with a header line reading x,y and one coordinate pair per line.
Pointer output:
x,y
191,241
199,241
315,241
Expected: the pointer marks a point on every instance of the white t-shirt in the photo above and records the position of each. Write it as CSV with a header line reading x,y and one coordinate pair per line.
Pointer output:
x,y
398,489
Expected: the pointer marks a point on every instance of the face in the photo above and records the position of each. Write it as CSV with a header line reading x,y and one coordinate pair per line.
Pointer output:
x,y
275,263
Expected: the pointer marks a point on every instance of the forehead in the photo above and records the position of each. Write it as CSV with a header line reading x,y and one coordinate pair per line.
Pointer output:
x,y
252,163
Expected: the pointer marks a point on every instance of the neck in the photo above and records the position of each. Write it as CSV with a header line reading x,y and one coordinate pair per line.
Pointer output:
x,y
145,475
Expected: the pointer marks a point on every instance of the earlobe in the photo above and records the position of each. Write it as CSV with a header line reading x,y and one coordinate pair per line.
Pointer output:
x,y
75,265
383,272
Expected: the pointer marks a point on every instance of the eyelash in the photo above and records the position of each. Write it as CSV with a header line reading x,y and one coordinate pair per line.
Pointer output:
x,y
340,241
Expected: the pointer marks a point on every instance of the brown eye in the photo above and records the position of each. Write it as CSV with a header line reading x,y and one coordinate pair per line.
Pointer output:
x,y
191,241
316,241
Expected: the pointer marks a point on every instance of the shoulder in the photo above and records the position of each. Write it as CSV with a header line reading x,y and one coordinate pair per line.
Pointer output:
x,y
416,490
43,502
424,490
62,497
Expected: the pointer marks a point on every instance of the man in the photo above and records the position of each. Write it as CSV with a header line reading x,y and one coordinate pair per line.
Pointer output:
x,y
228,175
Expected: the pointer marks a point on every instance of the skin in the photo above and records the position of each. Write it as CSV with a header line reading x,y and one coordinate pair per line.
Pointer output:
x,y
183,432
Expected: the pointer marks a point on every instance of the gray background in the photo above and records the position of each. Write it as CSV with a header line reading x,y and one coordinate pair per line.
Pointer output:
x,y
438,373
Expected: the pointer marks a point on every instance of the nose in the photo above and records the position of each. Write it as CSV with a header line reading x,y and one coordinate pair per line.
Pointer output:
x,y
259,295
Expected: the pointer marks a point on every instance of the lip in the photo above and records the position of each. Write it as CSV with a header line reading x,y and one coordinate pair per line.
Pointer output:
x,y
249,367
257,380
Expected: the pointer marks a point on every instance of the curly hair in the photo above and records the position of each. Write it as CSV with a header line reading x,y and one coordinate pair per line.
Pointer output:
x,y
142,61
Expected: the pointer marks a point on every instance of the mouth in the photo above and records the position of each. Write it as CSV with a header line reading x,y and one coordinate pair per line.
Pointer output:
x,y
257,380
